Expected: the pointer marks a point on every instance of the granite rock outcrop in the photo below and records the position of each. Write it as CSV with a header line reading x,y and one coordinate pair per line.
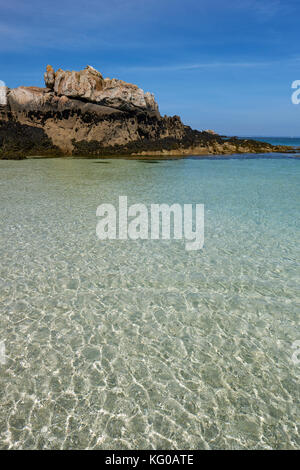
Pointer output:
x,y
82,113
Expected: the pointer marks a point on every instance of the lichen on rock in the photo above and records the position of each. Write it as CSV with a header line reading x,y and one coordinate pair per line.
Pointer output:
x,y
49,77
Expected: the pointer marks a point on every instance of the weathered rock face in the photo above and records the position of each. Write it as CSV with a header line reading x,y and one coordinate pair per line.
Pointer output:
x,y
67,121
3,94
81,113
89,84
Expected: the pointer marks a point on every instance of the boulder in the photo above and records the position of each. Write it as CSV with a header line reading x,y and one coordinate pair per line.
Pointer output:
x,y
210,131
89,85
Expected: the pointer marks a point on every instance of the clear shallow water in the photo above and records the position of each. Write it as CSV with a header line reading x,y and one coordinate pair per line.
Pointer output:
x,y
141,344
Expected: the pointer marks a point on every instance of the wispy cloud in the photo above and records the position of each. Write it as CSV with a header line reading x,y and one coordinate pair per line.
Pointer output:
x,y
200,65
68,25
264,10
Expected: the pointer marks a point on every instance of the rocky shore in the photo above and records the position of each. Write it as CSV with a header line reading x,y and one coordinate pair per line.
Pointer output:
x,y
83,114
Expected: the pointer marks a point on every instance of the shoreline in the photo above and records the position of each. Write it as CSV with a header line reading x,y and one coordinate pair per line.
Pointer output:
x,y
160,156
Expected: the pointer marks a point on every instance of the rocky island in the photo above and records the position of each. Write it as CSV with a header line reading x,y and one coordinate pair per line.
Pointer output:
x,y
82,113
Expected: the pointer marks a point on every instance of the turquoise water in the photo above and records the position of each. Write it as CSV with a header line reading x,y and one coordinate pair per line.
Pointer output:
x,y
141,344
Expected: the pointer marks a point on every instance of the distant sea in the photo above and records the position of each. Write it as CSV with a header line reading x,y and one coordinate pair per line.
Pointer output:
x,y
293,141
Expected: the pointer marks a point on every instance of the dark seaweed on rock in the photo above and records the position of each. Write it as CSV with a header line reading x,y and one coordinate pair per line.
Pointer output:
x,y
18,141
145,145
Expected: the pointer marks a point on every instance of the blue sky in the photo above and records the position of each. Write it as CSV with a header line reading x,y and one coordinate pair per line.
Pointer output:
x,y
226,65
